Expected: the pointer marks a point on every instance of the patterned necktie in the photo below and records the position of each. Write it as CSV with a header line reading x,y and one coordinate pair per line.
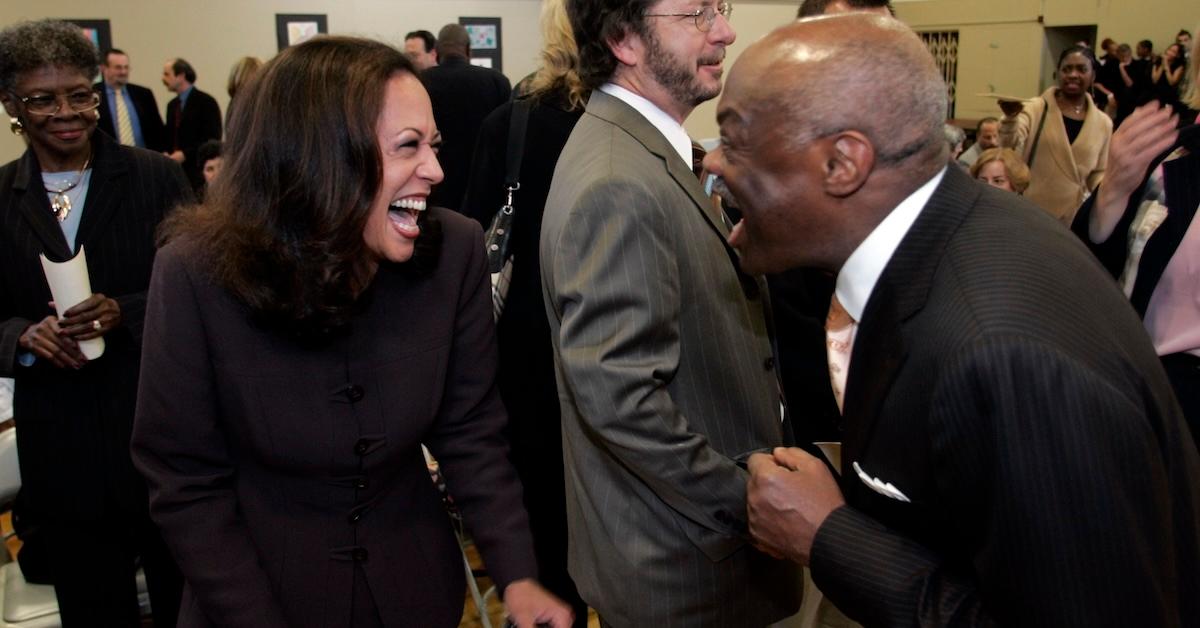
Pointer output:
x,y
124,124
840,328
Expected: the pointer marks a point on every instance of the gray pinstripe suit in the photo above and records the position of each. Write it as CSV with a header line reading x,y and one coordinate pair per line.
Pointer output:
x,y
665,378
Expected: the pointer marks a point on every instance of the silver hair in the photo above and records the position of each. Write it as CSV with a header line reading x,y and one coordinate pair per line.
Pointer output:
x,y
27,46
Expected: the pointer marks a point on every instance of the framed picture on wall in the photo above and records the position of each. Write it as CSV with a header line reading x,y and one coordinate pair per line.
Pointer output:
x,y
292,29
486,48
99,32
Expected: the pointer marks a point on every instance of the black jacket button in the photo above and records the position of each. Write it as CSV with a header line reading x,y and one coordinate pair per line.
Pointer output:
x,y
362,446
361,483
769,364
354,392
359,554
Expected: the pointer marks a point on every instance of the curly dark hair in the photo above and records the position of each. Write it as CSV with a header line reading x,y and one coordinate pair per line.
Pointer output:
x,y
282,227
27,46
596,23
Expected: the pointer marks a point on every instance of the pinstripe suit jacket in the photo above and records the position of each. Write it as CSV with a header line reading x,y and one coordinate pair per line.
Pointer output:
x,y
1004,385
75,425
665,378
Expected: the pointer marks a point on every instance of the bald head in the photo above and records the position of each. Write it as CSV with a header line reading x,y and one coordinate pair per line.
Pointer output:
x,y
810,8
453,40
809,70
827,124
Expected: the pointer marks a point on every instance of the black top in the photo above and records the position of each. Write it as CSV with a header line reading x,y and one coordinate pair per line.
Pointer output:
x,y
1073,128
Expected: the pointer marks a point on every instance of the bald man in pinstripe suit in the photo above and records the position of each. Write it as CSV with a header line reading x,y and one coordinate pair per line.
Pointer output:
x,y
1013,452
665,371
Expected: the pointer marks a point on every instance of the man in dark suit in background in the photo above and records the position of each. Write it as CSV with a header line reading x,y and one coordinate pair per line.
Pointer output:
x,y
193,118
1013,453
128,112
421,48
462,95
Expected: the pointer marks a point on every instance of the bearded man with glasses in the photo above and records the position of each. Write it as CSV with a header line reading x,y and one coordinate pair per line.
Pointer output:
x,y
665,371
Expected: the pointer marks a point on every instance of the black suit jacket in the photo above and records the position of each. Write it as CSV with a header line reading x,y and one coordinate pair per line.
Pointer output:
x,y
153,131
286,478
75,425
462,96
1001,382
199,122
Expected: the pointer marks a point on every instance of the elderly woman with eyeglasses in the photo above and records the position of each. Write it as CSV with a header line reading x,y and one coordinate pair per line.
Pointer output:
x,y
75,189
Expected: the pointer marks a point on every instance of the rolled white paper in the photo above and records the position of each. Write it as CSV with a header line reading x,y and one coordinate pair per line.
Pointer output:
x,y
70,286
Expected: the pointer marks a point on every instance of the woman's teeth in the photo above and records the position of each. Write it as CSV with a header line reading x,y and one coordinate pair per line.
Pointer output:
x,y
415,204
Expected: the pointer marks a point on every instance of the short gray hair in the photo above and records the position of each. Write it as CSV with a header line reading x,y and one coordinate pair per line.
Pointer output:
x,y
898,73
27,46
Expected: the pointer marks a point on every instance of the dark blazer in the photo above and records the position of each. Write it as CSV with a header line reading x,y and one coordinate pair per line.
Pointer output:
x,y
1001,382
75,425
153,131
665,380
199,122
280,475
526,375
462,96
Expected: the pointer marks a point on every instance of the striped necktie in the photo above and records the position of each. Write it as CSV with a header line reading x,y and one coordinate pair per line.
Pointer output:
x,y
124,124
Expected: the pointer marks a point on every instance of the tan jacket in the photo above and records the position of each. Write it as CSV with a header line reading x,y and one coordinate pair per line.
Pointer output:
x,y
1062,174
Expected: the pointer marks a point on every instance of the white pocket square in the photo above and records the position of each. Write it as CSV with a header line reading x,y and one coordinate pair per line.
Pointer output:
x,y
879,486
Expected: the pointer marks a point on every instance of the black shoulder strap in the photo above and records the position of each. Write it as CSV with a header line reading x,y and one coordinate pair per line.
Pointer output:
x,y
518,122
1037,136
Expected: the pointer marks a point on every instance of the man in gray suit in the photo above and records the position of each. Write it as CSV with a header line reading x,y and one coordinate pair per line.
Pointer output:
x,y
664,366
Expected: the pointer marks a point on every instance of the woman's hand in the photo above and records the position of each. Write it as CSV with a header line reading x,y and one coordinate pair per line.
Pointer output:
x,y
46,340
91,318
1144,135
529,605
1011,107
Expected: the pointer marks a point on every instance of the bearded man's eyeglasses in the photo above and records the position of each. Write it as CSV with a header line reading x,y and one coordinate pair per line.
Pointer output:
x,y
704,18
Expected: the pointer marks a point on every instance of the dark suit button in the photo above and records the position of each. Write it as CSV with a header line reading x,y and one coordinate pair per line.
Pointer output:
x,y
362,446
353,392
361,483
356,514
359,554
768,363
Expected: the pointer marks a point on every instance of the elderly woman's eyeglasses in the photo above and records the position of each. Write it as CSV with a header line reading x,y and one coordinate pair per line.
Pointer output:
x,y
704,17
50,104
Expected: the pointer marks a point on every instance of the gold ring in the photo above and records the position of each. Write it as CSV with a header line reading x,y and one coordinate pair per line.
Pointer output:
x,y
96,324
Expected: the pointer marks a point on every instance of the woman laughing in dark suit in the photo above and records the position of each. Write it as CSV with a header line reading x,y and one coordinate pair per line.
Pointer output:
x,y
310,327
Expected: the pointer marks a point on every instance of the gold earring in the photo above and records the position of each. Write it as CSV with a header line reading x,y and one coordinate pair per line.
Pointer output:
x,y
15,126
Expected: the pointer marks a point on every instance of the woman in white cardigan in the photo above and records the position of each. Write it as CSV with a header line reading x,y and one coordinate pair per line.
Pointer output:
x,y
1062,136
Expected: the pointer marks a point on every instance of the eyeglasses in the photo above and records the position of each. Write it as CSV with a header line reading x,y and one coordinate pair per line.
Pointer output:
x,y
704,17
50,104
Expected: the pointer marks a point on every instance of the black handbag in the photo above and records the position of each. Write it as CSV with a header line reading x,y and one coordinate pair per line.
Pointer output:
x,y
499,233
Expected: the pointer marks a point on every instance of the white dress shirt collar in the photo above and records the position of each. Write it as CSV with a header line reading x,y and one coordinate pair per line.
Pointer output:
x,y
674,132
862,269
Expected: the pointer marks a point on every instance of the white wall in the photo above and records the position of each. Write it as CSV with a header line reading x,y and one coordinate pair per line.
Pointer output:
x,y
1000,43
213,34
